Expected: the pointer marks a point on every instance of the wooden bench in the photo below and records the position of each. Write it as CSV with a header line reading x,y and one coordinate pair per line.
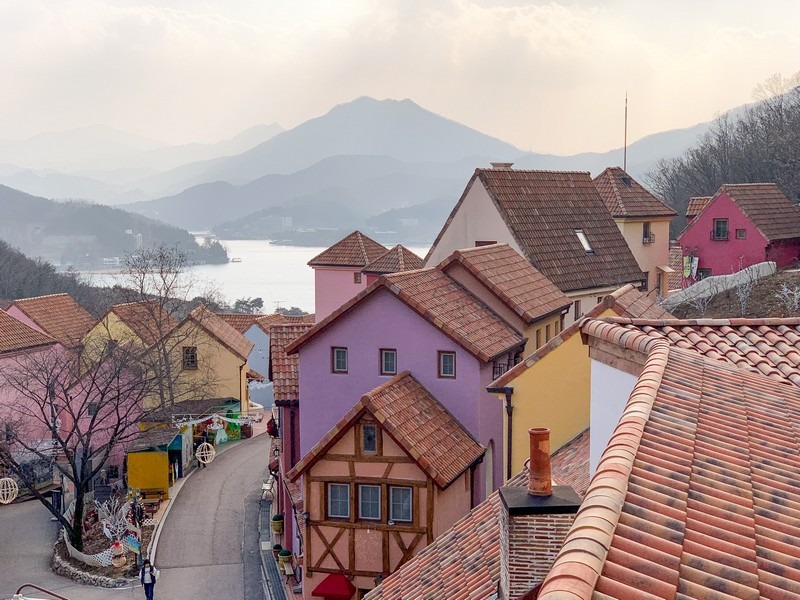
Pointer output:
x,y
152,493
288,570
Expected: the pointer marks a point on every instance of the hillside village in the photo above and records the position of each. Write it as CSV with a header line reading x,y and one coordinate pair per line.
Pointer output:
x,y
517,414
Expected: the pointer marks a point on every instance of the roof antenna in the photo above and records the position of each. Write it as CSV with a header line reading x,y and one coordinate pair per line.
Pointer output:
x,y
625,143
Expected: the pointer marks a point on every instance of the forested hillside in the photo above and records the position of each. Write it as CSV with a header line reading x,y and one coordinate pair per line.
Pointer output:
x,y
760,144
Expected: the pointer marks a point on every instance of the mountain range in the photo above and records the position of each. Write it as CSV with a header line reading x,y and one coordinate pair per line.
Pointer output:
x,y
388,165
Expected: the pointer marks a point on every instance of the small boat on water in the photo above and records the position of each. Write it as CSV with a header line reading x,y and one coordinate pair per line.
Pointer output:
x,y
235,259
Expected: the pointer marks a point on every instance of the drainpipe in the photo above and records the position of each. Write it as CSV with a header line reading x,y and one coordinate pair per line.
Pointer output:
x,y
507,390
240,390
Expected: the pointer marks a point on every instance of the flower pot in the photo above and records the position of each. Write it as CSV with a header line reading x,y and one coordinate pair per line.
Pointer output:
x,y
277,524
284,556
275,549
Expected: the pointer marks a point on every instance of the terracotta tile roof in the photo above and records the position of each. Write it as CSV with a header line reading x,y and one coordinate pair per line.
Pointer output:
x,y
241,322
355,250
696,205
543,210
15,336
308,318
767,207
443,303
424,428
146,319
512,279
224,333
396,260
570,464
695,495
625,197
59,316
284,367
767,346
463,563
629,301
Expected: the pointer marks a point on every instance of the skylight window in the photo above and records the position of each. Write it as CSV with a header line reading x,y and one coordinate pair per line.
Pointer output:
x,y
584,241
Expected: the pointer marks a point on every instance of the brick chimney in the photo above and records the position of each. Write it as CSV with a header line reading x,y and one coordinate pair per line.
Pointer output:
x,y
533,522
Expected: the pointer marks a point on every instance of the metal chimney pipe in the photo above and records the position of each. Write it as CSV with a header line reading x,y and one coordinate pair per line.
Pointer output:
x,y
540,480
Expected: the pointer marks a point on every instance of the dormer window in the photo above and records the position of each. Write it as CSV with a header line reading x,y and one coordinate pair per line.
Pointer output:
x,y
584,241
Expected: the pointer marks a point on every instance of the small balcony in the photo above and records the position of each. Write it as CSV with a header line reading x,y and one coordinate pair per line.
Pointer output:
x,y
649,239
499,368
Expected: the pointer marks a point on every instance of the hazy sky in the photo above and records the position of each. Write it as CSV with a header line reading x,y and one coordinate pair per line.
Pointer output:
x,y
546,76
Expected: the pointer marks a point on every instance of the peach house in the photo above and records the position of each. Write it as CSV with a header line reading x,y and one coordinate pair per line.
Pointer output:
x,y
643,221
556,220
57,315
741,225
394,473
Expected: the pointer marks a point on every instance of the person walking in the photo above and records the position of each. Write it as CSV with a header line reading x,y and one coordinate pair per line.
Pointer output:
x,y
148,576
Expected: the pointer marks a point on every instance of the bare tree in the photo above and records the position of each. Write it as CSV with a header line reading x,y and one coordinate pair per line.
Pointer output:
x,y
790,298
69,415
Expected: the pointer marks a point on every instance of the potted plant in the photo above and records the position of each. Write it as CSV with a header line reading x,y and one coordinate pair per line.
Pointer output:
x,y
275,549
284,556
277,523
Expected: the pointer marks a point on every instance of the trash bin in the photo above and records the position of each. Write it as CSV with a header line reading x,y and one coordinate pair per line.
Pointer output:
x,y
247,430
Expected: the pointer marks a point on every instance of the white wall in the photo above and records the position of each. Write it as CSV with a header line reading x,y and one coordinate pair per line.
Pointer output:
x,y
610,390
477,219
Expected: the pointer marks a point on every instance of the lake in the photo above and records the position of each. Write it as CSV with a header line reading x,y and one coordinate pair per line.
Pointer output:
x,y
277,274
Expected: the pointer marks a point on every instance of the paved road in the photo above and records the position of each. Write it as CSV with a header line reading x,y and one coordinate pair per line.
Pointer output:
x,y
205,551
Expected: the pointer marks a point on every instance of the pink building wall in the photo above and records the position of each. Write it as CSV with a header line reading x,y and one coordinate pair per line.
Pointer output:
x,y
785,253
383,321
290,456
333,286
723,257
21,316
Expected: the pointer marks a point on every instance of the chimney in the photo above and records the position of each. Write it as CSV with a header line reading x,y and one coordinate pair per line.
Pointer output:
x,y
502,166
533,522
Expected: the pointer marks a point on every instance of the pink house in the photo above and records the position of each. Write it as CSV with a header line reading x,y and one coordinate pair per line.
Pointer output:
x,y
337,271
57,315
741,225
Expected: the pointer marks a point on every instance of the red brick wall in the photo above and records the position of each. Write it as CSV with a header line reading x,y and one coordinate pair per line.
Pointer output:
x,y
528,547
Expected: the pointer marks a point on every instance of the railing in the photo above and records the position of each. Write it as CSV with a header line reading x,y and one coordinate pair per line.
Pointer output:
x,y
18,593
649,239
499,368
722,237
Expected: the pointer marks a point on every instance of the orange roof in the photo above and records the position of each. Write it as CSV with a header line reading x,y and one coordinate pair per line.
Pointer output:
x,y
512,279
627,300
355,250
15,336
695,495
241,322
424,428
569,465
307,318
696,205
625,197
443,303
396,260
219,329
630,301
543,210
675,279
147,319
767,346
58,315
284,367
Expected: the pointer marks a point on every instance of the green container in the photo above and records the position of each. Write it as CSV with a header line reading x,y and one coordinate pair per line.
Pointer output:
x,y
275,549
284,556
277,523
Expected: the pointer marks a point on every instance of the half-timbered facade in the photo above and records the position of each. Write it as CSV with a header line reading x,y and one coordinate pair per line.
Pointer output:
x,y
393,474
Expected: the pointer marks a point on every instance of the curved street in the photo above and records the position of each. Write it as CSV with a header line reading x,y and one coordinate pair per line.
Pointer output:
x,y
208,546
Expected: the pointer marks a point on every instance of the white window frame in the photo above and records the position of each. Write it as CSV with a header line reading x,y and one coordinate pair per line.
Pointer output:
x,y
392,516
339,486
384,353
584,241
440,366
336,351
361,494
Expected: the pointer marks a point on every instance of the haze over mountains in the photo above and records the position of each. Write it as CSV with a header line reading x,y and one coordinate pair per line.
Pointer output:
x,y
389,164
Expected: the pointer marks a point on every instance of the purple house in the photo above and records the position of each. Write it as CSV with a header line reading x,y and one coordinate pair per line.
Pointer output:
x,y
421,321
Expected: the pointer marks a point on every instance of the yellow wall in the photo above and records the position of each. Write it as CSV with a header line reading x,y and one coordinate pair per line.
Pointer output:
x,y
148,471
554,322
554,392
110,327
